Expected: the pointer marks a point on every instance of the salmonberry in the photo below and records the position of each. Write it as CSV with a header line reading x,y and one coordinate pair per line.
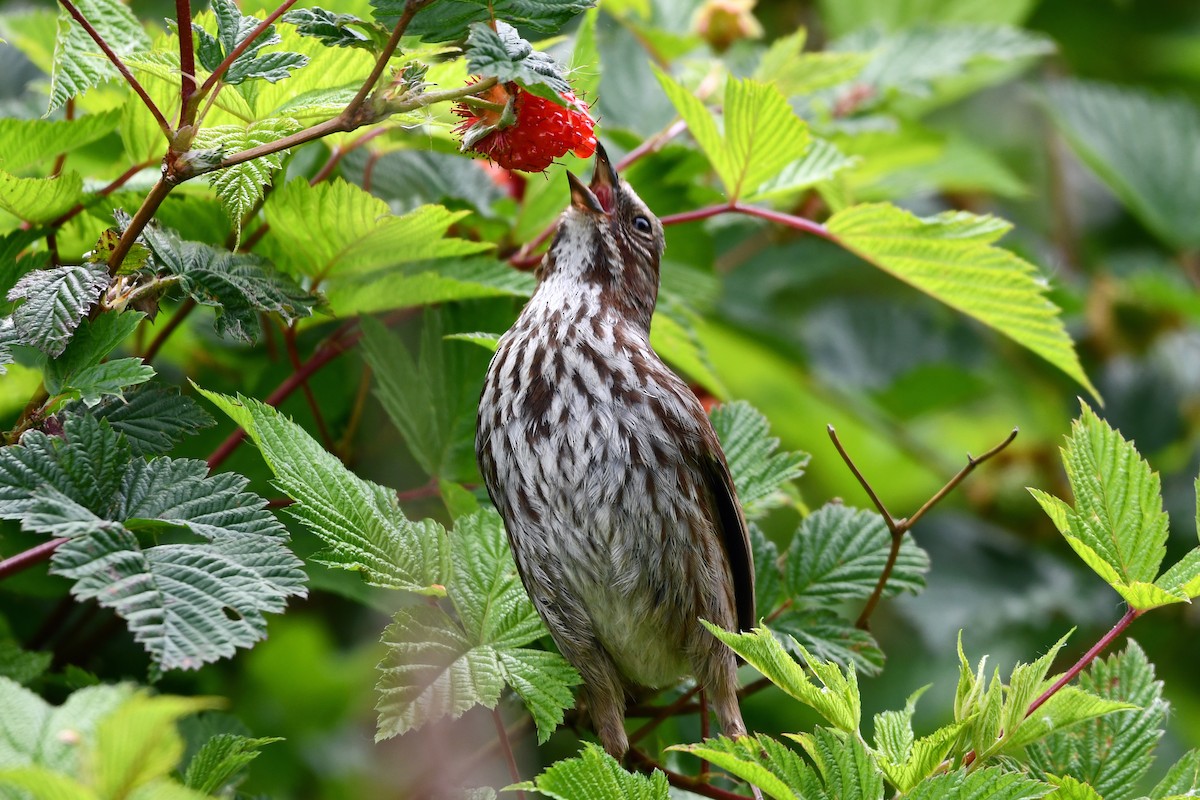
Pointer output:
x,y
524,131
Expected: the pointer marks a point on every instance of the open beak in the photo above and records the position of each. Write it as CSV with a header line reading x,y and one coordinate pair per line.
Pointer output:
x,y
582,197
604,179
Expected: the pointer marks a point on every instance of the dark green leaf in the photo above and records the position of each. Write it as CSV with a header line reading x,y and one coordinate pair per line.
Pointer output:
x,y
830,638
504,54
108,379
759,473
22,666
448,20
232,30
768,573
1182,779
336,30
91,344
153,418
56,300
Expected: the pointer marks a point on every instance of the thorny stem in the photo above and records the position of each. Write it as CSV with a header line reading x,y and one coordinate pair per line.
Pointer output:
x,y
899,527
120,65
187,59
139,222
506,748
681,781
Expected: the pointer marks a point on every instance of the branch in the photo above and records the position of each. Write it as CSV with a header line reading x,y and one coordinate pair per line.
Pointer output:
x,y
411,7
120,65
28,558
187,61
1087,658
139,222
117,183
899,527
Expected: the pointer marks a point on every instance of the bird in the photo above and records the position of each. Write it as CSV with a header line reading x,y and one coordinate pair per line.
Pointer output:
x,y
616,496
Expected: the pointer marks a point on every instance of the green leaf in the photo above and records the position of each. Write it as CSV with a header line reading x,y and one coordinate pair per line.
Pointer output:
x,y
987,783
360,522
1068,706
92,342
186,603
1117,525
827,636
1113,752
952,258
1070,789
427,283
762,761
56,300
335,230
31,730
761,134
904,759
33,142
837,700
152,418
108,379
504,54
768,574
22,666
838,553
232,29
760,474
843,16
843,763
43,784
595,775
336,30
239,286
1139,144
79,63
449,20
821,162
438,667
1182,779
39,199
221,760
797,73
241,186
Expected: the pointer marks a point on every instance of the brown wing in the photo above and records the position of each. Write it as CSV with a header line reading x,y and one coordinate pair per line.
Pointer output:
x,y
731,527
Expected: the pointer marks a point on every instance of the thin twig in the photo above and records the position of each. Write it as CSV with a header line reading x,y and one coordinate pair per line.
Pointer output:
x,y
1087,658
120,65
139,222
506,748
410,10
862,481
953,483
181,313
28,558
652,145
289,340
663,714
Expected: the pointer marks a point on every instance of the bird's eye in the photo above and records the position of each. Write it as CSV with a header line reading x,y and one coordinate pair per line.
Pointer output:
x,y
641,224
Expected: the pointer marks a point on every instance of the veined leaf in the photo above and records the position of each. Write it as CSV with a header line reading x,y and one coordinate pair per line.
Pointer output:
x,y
449,20
988,783
762,761
761,134
1181,780
428,282
768,576
595,775
153,418
336,30
819,163
952,257
56,300
94,339
837,700
360,522
31,729
39,199
1067,788
843,763
232,29
828,637
108,379
1139,144
220,761
241,186
504,54
30,142
838,553
759,473
437,666
79,63
795,72
1117,526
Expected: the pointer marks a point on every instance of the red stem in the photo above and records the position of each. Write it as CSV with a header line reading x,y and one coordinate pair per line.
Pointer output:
x,y
28,558
117,183
1088,657
187,61
120,65
680,781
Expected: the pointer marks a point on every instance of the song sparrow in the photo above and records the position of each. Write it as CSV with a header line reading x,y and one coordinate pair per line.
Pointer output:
x,y
617,499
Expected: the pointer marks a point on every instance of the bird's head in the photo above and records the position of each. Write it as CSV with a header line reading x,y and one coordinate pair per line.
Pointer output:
x,y
609,239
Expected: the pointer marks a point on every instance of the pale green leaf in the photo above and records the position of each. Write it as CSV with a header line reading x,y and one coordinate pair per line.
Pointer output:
x,y
952,257
427,283
79,63
1067,788
595,775
761,135
108,379
795,72
760,474
39,199
360,522
35,142
761,761
837,699
988,783
842,761
1068,706
488,341
543,680
838,553
153,418
241,186
673,337
1140,144
819,163
843,16
164,65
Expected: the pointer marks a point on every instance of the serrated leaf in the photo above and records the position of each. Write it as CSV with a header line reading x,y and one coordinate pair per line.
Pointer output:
x,y
821,162
232,29
543,680
1139,144
1067,788
241,186
108,379
220,760
1181,780
39,199
152,418
360,522
595,775
426,283
1117,524
22,666
827,636
768,572
79,63
761,761
1068,706
187,604
796,72
94,339
56,300
336,232
336,30
164,65
843,763
759,472
449,20
240,286
987,783
762,134
952,258
485,588
33,142
1111,753
837,700
838,553
504,54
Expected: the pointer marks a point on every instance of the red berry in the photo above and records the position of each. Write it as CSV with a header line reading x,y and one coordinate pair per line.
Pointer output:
x,y
530,132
